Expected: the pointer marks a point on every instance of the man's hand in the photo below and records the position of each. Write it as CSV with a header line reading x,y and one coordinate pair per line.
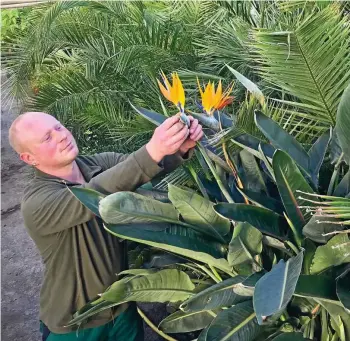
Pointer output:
x,y
196,133
167,138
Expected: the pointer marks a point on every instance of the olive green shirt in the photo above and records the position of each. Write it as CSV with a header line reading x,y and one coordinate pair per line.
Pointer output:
x,y
81,258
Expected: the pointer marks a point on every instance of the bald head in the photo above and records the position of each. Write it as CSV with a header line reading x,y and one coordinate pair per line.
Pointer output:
x,y
21,126
42,141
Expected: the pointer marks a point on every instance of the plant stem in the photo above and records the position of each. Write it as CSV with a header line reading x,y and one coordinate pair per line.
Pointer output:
x,y
334,175
292,246
231,164
209,273
215,273
153,327
295,232
216,176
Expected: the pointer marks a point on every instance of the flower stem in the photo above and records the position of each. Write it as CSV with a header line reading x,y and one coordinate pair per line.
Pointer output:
x,y
153,327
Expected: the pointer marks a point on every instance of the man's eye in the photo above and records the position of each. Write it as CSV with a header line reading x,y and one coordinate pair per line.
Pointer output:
x,y
48,137
59,128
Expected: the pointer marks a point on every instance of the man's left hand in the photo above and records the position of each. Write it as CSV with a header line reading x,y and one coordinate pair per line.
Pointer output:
x,y
195,134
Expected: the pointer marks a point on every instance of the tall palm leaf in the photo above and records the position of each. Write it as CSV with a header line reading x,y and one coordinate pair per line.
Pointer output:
x,y
309,63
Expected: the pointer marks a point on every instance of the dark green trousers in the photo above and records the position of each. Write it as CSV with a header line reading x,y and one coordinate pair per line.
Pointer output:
x,y
128,326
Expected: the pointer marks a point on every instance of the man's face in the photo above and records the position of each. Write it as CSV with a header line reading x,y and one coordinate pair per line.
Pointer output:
x,y
48,141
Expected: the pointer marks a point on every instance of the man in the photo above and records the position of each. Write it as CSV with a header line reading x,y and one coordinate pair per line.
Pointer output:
x,y
80,257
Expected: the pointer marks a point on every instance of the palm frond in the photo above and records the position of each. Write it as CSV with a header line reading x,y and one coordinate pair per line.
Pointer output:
x,y
309,63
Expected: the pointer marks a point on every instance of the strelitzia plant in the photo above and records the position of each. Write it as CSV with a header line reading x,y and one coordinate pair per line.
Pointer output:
x,y
214,99
211,100
175,93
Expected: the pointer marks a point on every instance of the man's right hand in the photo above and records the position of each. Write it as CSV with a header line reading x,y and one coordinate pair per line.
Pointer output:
x,y
167,138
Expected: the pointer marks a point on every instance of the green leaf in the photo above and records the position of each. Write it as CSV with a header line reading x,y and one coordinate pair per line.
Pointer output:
x,y
282,140
151,116
129,207
316,228
335,252
89,310
299,62
290,337
180,322
199,212
246,243
310,249
262,200
275,289
343,188
176,239
163,286
317,153
266,221
234,324
316,286
343,123
251,175
88,197
251,144
339,319
249,85
290,180
343,290
137,272
226,293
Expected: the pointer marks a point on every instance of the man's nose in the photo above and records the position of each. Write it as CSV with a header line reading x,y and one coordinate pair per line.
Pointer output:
x,y
61,135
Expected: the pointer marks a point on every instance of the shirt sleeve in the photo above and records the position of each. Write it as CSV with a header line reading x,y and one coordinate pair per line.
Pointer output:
x,y
53,208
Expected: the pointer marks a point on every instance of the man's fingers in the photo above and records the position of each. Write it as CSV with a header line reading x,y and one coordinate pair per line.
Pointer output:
x,y
169,122
180,136
197,135
174,129
194,125
195,132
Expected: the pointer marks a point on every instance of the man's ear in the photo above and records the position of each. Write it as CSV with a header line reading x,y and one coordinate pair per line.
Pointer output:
x,y
27,158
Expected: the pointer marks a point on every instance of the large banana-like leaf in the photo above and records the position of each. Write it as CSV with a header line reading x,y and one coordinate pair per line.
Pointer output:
x,y
275,289
343,123
290,180
199,212
180,322
234,324
251,144
282,140
290,337
343,289
263,200
267,221
90,198
316,286
317,228
245,244
224,294
251,174
129,207
335,252
163,286
308,65
339,319
317,153
176,239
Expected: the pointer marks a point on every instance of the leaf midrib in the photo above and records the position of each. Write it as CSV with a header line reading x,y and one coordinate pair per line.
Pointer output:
x,y
314,80
208,223
239,326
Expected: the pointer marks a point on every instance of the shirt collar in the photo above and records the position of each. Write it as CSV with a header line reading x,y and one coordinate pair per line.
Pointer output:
x,y
88,171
